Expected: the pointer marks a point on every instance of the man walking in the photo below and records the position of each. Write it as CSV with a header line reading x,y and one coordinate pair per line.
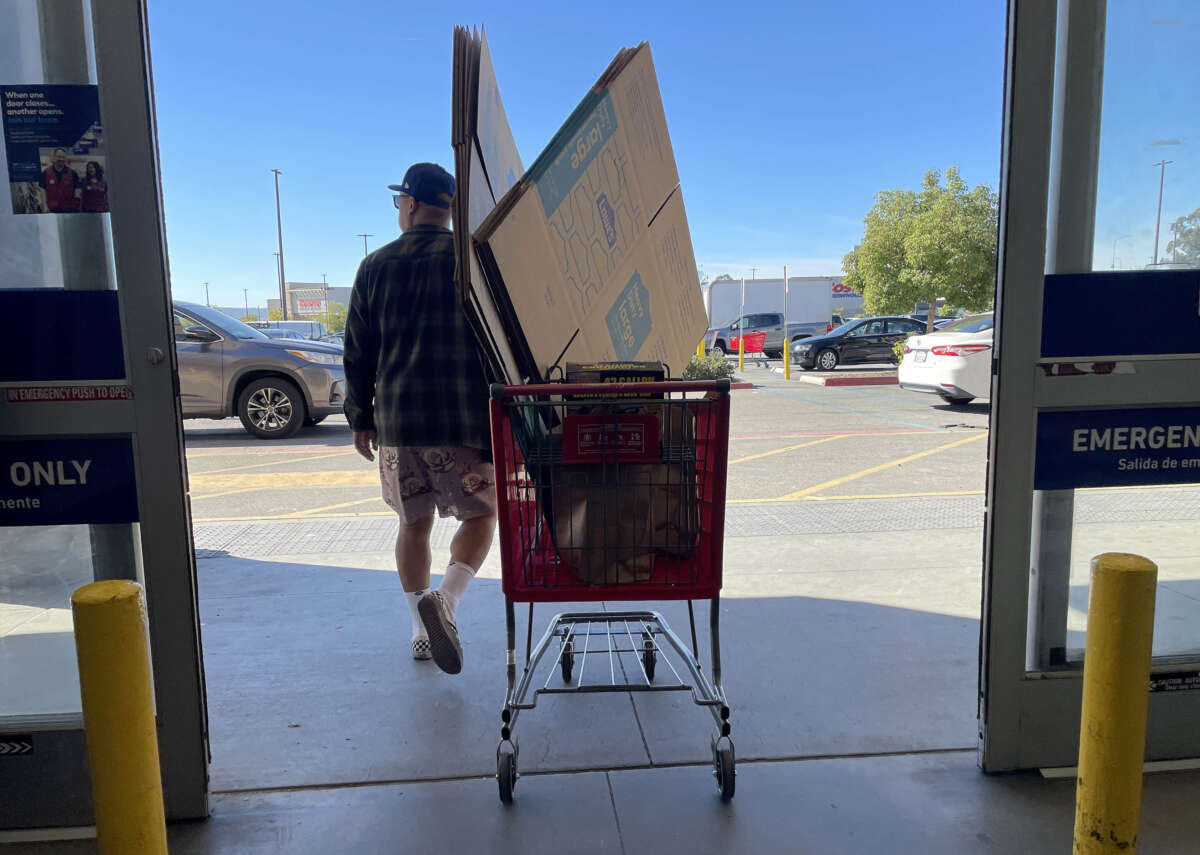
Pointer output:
x,y
417,394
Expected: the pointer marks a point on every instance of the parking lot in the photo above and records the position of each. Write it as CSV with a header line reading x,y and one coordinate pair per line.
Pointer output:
x,y
789,442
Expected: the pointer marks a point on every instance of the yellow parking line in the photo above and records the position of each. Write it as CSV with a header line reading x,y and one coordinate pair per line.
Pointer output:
x,y
279,462
227,493
329,478
894,495
818,488
316,511
789,448
294,516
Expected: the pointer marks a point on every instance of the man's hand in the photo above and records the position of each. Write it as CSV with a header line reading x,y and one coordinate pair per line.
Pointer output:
x,y
365,443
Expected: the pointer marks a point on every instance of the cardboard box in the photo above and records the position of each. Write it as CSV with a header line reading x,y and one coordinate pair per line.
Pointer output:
x,y
590,252
486,165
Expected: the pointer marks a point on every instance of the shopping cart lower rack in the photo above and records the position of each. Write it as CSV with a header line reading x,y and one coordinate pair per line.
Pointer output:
x,y
612,493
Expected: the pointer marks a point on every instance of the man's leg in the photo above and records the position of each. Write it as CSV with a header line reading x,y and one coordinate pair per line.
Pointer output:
x,y
413,558
468,550
468,488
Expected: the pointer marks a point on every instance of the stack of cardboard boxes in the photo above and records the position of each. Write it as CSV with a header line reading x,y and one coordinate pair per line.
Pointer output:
x,y
587,256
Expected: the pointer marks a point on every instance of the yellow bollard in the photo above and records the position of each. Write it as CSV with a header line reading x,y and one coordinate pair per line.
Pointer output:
x,y
700,349
741,353
118,717
787,359
1116,678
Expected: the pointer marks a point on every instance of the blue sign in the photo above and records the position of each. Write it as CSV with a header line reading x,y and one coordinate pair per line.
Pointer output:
x,y
572,151
628,320
1132,313
55,335
67,481
1117,448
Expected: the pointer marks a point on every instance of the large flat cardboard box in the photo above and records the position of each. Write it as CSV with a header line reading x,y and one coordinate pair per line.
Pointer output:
x,y
592,245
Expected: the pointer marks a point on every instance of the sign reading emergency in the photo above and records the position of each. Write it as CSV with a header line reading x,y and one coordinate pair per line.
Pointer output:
x,y
1117,448
67,481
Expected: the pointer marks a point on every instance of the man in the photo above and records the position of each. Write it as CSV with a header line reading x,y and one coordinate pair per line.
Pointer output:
x,y
416,394
62,184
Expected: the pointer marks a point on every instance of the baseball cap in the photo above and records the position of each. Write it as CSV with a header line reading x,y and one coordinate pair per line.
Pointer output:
x,y
425,182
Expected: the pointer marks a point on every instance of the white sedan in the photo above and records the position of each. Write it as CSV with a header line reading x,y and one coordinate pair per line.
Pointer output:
x,y
954,362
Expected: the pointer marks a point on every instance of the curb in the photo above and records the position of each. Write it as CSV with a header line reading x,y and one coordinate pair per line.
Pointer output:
x,y
882,378
860,380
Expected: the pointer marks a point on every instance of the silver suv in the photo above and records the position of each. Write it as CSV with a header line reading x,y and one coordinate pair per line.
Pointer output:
x,y
274,386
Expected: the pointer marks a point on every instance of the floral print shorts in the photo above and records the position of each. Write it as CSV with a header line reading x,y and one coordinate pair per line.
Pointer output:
x,y
458,482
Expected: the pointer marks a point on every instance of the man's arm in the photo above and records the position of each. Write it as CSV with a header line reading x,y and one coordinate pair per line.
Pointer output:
x,y
361,358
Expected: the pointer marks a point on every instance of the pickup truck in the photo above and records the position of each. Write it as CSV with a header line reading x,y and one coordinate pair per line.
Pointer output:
x,y
717,339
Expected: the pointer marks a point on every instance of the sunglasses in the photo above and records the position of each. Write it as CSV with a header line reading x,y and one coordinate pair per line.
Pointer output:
x,y
396,199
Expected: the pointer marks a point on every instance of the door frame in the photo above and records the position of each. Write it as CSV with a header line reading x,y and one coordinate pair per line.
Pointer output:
x,y
1029,719
57,793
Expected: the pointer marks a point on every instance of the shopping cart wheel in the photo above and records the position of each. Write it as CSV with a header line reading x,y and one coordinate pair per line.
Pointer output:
x,y
506,773
567,660
649,655
724,767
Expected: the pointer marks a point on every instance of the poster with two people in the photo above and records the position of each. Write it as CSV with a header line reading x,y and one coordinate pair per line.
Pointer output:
x,y
55,148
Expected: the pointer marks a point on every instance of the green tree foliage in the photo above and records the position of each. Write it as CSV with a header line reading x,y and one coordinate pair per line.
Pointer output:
x,y
275,315
334,318
1185,248
939,241
249,318
724,277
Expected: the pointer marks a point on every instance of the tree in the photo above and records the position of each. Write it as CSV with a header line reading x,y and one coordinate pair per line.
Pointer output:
x,y
275,315
918,246
335,317
724,277
249,318
1185,248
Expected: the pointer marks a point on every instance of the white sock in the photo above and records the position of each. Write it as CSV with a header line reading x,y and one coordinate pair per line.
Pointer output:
x,y
412,598
455,581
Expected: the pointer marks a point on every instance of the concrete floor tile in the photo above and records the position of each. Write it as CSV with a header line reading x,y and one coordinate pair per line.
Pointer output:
x,y
559,814
314,684
933,803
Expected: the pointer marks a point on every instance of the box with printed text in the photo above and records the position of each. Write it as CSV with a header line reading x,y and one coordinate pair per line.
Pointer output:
x,y
592,245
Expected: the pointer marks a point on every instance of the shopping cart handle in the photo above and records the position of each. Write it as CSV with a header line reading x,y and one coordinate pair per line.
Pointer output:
x,y
500,392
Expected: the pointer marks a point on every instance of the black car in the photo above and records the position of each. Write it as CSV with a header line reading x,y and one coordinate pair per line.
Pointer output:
x,y
859,340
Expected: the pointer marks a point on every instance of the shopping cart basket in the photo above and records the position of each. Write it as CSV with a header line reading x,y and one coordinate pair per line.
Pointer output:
x,y
612,492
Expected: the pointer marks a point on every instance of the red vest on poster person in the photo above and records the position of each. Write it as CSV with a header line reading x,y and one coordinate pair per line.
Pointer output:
x,y
61,186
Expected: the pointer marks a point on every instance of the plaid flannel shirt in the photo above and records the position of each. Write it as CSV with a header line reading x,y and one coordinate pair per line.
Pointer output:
x,y
413,369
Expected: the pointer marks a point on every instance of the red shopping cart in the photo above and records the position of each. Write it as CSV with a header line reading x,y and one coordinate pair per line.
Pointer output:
x,y
611,492
754,345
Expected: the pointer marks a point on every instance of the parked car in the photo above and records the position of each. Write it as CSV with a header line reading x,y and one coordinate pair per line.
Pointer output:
x,y
274,386
334,338
720,339
857,341
954,363
276,332
305,329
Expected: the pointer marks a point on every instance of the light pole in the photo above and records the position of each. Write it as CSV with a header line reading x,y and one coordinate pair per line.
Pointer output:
x,y
1114,252
246,299
1162,173
324,293
364,237
279,229
277,275
206,300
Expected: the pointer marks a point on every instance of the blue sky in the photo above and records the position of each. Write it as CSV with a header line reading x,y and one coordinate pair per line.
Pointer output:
x,y
786,119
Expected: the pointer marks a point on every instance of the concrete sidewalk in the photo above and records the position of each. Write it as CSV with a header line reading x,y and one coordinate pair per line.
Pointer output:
x,y
850,669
